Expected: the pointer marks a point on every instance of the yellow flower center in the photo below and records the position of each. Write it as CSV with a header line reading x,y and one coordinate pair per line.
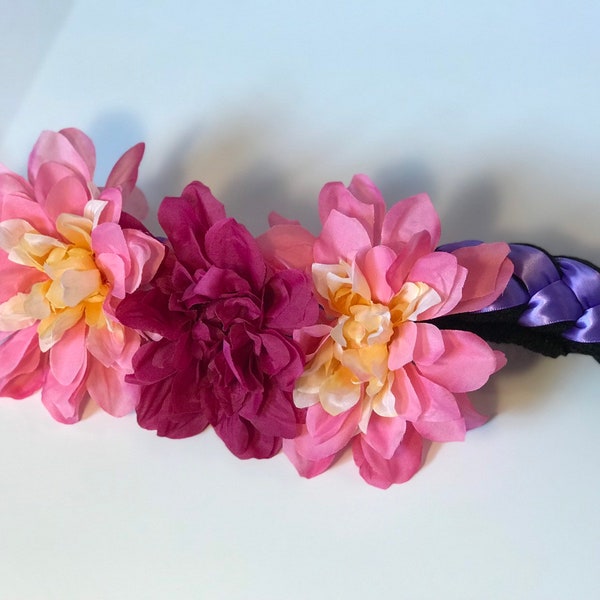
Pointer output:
x,y
352,365
73,286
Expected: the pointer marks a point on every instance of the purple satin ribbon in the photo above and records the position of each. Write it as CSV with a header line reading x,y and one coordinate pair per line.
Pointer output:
x,y
555,290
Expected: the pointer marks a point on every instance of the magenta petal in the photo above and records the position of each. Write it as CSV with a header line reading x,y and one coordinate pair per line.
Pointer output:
x,y
305,467
276,416
245,441
156,410
409,217
384,434
241,253
400,467
466,364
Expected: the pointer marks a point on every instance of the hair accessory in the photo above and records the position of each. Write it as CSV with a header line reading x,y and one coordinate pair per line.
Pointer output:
x,y
366,336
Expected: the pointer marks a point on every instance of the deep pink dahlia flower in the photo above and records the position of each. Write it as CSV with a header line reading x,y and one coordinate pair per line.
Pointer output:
x,y
222,322
380,375
65,264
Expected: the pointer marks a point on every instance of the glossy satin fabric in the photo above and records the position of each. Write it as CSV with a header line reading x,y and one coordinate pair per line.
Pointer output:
x,y
552,290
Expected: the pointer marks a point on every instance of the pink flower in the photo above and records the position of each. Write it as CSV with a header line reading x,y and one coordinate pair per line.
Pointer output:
x,y
380,375
65,264
221,322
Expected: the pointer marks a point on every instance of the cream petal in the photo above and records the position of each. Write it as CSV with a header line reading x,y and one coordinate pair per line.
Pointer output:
x,y
13,314
93,210
384,403
12,231
339,392
53,327
76,229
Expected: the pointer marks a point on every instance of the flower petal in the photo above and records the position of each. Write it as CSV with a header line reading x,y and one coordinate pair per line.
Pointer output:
x,y
400,467
407,218
465,365
342,237
384,434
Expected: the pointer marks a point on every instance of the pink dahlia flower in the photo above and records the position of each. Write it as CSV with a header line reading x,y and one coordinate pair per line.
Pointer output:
x,y
381,376
65,264
221,323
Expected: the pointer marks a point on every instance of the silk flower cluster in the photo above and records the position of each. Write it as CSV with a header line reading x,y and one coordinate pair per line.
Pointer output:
x,y
313,343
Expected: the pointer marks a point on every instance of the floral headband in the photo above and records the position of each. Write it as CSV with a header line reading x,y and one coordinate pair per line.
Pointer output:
x,y
368,335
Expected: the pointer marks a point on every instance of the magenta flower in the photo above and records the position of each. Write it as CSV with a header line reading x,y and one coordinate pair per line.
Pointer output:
x,y
380,376
65,264
221,323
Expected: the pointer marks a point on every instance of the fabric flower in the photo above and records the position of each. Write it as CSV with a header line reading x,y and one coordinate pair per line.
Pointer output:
x,y
65,263
221,323
380,375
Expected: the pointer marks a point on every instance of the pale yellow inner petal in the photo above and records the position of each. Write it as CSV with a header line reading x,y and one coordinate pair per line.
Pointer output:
x,y
74,287
352,365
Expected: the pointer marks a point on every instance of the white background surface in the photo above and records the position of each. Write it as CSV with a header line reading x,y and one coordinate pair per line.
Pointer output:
x,y
493,109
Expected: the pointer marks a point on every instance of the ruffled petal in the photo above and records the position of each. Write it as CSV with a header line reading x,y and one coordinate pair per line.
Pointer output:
x,y
342,237
400,467
488,272
465,365
288,245
384,434
409,217
306,467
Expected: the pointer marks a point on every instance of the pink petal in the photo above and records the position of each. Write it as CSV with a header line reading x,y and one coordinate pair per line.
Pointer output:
x,y
107,387
442,431
440,271
489,271
466,364
367,192
429,345
15,347
145,256
63,402
305,467
105,346
125,172
472,417
402,345
408,217
55,147
341,238
438,403
84,146
384,434
400,467
67,196
136,204
374,263
417,246
16,278
327,434
288,245
408,405
68,355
